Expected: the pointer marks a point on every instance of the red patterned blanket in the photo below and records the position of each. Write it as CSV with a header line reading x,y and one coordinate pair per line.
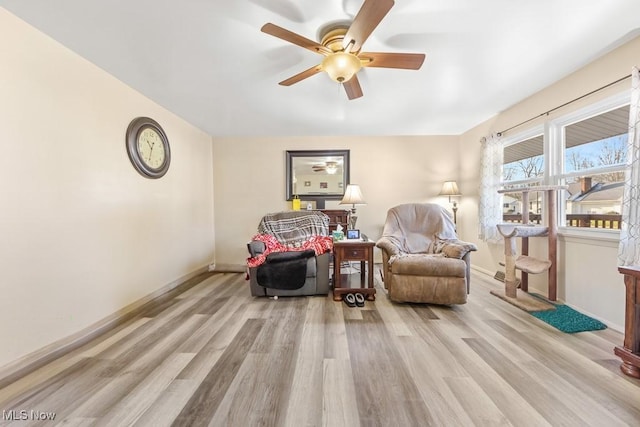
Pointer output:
x,y
320,244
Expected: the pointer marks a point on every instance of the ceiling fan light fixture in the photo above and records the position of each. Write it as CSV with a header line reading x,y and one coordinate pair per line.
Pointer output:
x,y
341,66
341,44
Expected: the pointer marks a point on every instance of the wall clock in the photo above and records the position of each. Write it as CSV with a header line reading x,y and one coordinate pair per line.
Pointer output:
x,y
148,147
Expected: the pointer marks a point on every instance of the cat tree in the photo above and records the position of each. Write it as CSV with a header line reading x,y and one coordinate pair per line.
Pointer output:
x,y
525,263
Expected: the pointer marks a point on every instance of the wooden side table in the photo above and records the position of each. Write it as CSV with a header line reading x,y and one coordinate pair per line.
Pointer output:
x,y
354,250
630,352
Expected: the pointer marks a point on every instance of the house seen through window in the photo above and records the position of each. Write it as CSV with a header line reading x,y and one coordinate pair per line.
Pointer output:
x,y
594,167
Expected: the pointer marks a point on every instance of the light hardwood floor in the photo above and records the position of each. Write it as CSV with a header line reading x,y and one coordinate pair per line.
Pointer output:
x,y
216,356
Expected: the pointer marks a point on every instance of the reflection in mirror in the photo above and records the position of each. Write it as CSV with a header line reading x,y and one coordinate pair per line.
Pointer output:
x,y
317,174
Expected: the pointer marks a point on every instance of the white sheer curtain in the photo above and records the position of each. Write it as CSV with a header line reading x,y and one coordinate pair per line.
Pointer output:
x,y
490,201
629,251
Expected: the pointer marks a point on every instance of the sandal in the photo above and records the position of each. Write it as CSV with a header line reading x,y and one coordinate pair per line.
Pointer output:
x,y
359,299
349,299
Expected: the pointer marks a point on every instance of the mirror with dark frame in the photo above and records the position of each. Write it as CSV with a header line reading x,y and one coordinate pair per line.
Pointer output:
x,y
317,175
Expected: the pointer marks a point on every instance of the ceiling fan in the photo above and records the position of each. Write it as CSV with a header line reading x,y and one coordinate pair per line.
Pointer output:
x,y
341,44
329,167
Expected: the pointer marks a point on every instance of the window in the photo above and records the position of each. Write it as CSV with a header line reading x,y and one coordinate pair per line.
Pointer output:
x,y
523,165
585,150
523,162
594,161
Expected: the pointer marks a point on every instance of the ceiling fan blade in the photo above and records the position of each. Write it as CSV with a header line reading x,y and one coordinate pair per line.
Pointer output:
x,y
367,19
352,87
294,38
407,61
301,76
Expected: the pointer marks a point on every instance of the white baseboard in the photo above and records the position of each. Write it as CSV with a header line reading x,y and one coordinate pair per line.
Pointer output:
x,y
482,270
613,326
229,268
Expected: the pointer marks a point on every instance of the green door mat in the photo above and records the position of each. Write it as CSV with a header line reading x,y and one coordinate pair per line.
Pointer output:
x,y
568,320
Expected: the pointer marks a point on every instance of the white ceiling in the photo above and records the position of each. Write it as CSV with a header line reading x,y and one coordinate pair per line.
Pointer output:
x,y
208,62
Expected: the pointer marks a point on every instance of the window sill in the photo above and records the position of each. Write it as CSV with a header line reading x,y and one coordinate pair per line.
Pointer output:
x,y
590,236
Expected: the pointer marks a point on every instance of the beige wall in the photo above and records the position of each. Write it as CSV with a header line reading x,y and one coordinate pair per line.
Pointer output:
x,y
588,277
83,234
249,176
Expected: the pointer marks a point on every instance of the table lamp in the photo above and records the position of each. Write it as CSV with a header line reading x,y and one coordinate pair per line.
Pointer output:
x,y
450,188
353,197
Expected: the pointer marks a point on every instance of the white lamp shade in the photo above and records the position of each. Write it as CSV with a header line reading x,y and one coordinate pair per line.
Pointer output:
x,y
353,196
450,188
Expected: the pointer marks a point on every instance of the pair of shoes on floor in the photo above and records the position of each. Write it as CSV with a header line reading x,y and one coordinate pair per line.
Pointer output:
x,y
353,300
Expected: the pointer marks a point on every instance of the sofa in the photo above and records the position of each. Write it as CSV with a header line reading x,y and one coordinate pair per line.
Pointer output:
x,y
423,261
290,255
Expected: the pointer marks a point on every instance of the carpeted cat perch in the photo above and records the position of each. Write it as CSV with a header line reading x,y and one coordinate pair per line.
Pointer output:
x,y
524,263
511,232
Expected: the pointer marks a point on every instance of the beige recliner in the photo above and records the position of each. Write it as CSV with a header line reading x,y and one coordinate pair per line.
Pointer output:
x,y
422,259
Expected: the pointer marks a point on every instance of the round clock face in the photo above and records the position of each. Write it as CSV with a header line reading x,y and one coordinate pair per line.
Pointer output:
x,y
151,148
148,147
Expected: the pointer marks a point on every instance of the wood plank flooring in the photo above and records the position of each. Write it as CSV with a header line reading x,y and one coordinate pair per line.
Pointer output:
x,y
215,356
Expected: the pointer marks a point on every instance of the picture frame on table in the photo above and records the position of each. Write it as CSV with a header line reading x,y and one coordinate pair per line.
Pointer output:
x,y
353,234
